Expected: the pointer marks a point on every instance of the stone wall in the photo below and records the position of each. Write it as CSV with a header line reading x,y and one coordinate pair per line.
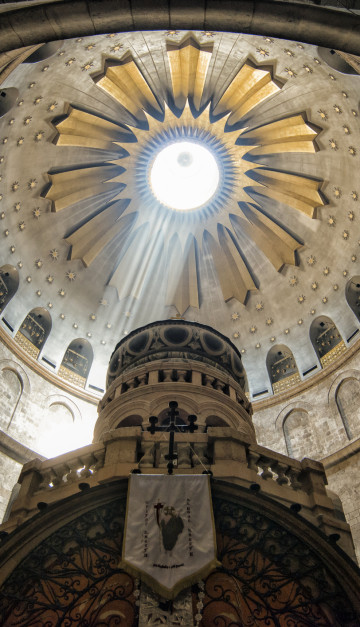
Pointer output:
x,y
322,422
37,419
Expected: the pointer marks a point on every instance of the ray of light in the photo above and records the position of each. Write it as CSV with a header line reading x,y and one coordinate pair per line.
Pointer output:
x,y
182,280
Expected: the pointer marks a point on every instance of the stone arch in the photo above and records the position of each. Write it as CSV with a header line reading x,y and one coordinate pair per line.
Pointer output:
x,y
9,283
45,51
325,337
34,331
77,361
8,97
334,60
297,423
347,399
130,421
281,367
187,405
216,421
352,295
60,429
14,383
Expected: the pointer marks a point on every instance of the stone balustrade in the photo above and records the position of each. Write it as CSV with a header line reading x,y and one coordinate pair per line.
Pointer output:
x,y
221,450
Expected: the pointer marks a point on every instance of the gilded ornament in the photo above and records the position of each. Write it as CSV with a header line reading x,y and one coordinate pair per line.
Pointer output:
x,y
89,334
311,261
103,302
75,325
38,292
253,329
344,93
116,47
11,121
317,61
29,279
353,258
332,77
62,316
17,206
335,287
50,278
108,325
38,136
352,150
92,317
272,339
333,144
208,33
61,292
31,85
54,254
45,68
235,316
70,61
331,221
301,299
300,321
2,215
172,32
87,66
293,281
290,72
103,341
236,335
345,234
324,299
27,120
346,130
20,141
312,312
351,216
314,285
20,103
345,272
287,331
289,52
32,183
354,112
258,345
12,249
2,159
90,46
263,52
5,140
70,275
337,192
21,226
354,195
6,232
308,69
269,321
243,351
52,106
259,306
50,305
300,46
38,263
337,109
37,100
20,264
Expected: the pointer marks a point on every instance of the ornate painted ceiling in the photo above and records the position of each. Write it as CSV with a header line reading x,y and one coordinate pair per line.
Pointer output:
x,y
273,248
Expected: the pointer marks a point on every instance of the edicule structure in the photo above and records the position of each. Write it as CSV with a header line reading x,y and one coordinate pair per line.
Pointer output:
x,y
285,551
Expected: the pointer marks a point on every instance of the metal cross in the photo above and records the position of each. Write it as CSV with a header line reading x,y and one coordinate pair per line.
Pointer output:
x,y
172,427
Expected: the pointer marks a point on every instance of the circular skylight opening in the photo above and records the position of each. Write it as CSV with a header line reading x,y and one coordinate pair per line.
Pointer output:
x,y
184,175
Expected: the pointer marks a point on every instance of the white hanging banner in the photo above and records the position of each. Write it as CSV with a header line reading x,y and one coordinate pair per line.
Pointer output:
x,y
169,537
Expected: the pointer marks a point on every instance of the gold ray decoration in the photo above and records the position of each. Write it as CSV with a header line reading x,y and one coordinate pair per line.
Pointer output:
x,y
72,186
250,86
89,131
125,83
292,134
139,225
189,62
182,282
91,238
293,190
234,277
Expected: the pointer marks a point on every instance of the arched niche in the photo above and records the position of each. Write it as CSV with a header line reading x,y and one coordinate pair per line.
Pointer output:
x,y
299,434
34,331
8,98
282,368
9,283
352,295
11,389
335,60
44,52
347,398
76,363
130,421
326,340
216,421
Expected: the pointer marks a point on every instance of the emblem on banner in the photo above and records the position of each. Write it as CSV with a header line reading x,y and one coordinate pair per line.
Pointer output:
x,y
169,539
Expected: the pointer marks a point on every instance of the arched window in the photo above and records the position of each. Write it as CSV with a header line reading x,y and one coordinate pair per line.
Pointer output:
x,y
76,363
348,402
34,331
326,340
9,282
299,437
282,368
335,60
352,295
8,97
11,388
216,421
